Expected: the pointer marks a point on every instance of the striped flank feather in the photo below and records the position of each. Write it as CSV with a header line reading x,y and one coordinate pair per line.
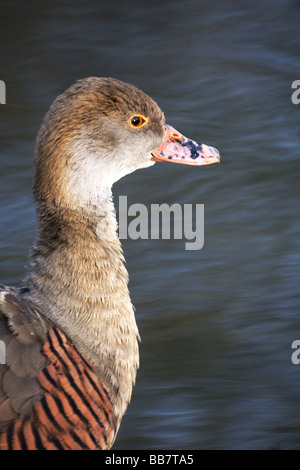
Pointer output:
x,y
75,411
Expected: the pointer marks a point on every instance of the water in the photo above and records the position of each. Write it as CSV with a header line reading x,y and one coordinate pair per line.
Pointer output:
x,y
216,324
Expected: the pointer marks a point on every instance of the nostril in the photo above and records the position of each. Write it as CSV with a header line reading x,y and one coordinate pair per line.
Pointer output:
x,y
176,136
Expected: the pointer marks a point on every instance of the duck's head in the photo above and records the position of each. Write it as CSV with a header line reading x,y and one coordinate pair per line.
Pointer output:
x,y
96,132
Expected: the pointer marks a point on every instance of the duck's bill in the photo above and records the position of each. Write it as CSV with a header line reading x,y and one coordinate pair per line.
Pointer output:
x,y
179,149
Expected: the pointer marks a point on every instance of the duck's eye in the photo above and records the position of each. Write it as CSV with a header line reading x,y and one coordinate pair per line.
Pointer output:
x,y
137,121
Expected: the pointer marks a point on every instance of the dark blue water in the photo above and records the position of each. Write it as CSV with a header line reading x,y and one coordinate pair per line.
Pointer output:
x,y
216,324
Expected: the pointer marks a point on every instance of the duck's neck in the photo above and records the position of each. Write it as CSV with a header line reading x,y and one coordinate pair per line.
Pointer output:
x,y
78,279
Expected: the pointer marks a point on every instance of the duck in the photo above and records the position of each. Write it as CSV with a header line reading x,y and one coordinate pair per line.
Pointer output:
x,y
69,329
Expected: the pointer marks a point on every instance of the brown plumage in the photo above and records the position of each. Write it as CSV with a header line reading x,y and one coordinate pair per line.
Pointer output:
x,y
69,330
